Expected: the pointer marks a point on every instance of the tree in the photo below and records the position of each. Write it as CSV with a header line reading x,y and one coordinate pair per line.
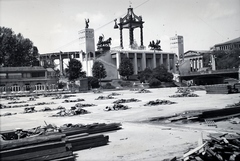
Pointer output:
x,y
227,59
99,71
126,67
161,73
15,50
145,75
74,70
154,82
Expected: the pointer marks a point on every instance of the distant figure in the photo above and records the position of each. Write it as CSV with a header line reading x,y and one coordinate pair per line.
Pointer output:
x,y
87,23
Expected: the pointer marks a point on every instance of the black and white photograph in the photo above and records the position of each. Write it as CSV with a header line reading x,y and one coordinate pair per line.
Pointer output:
x,y
119,80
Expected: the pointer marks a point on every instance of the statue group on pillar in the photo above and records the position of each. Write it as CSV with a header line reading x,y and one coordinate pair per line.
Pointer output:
x,y
104,43
155,45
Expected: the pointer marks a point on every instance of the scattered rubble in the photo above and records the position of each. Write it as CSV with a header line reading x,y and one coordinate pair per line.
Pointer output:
x,y
72,112
29,110
159,102
126,100
184,92
77,100
84,105
184,95
116,107
114,94
104,97
15,102
8,114
59,96
143,91
12,98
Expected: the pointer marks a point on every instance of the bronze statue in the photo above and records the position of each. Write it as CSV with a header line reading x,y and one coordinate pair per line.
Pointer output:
x,y
102,43
87,23
155,46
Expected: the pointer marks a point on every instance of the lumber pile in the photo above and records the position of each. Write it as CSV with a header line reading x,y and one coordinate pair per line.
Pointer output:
x,y
70,129
114,94
50,147
218,89
220,147
84,105
184,92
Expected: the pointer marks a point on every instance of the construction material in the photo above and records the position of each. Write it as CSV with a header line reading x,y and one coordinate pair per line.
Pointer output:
x,y
72,112
218,89
220,147
104,97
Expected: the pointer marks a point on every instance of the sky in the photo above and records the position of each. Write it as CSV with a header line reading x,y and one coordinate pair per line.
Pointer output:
x,y
53,25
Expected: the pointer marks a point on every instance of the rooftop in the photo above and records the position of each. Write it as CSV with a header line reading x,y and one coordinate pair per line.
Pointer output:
x,y
237,40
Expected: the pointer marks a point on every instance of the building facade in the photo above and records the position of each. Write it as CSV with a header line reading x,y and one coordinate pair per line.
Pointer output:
x,y
16,79
177,46
229,45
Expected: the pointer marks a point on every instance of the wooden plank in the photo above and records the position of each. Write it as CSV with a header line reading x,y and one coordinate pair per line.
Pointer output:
x,y
9,144
91,145
90,137
77,135
90,141
70,158
21,150
195,150
34,154
53,156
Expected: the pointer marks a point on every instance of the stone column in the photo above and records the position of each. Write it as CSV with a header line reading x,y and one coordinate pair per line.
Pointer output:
x,y
135,64
168,63
141,35
161,59
143,61
118,61
154,60
121,37
174,63
61,64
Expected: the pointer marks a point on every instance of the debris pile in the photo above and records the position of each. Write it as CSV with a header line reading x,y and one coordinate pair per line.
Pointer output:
x,y
12,98
126,100
234,105
220,147
7,114
116,107
15,102
71,112
29,110
114,94
77,100
84,105
62,96
159,102
184,92
184,95
104,97
143,91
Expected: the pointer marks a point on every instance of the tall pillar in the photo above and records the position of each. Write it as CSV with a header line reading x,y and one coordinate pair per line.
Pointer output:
x,y
154,60
61,63
143,61
197,67
161,59
174,63
141,35
118,61
135,64
121,37
131,37
168,63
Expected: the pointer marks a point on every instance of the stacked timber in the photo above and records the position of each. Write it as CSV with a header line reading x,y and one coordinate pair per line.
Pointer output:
x,y
218,89
85,141
220,147
50,147
90,129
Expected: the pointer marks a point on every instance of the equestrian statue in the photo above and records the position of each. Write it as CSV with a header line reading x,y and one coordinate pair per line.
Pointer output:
x,y
155,46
